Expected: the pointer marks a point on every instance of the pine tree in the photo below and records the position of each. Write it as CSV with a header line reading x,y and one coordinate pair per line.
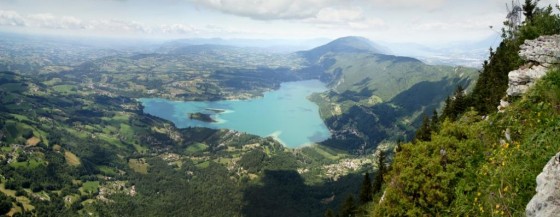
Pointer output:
x,y
529,9
460,102
447,108
366,193
456,106
348,207
381,170
399,145
329,213
434,124
424,133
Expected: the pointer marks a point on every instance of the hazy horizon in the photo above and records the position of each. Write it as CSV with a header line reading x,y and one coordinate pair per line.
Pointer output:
x,y
430,21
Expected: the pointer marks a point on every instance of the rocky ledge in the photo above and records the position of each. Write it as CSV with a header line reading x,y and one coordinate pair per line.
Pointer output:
x,y
541,53
543,50
547,200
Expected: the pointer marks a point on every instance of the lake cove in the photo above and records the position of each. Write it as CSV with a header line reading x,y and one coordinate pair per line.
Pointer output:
x,y
285,114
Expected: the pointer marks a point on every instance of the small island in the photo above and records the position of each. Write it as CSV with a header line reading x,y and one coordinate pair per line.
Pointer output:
x,y
215,110
202,117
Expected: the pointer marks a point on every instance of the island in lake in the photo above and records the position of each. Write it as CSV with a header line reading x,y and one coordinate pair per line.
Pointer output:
x,y
202,117
216,110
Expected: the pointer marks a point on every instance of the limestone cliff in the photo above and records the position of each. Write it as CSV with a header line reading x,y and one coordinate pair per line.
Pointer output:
x,y
541,54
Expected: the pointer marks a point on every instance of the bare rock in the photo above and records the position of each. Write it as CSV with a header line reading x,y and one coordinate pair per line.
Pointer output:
x,y
544,50
503,105
547,200
520,80
542,53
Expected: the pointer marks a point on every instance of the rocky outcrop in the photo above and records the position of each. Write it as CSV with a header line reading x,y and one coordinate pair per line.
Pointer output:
x,y
543,50
520,80
541,53
547,200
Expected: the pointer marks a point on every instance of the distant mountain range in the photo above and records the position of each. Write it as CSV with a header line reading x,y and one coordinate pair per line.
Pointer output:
x,y
274,45
461,53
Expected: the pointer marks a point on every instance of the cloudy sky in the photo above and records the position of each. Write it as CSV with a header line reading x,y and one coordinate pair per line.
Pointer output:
x,y
387,20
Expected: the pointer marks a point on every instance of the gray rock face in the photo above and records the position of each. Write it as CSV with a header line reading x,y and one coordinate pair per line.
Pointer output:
x,y
543,52
547,200
520,80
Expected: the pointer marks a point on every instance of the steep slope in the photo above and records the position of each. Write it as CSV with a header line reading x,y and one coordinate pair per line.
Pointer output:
x,y
376,97
485,165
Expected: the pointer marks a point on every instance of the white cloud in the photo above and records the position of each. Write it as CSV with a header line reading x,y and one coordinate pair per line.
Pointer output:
x,y
475,23
50,21
119,26
42,20
11,18
333,15
177,29
341,18
371,23
401,20
47,20
425,4
267,9
304,9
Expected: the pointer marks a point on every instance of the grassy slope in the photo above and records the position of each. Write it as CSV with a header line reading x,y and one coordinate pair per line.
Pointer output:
x,y
483,173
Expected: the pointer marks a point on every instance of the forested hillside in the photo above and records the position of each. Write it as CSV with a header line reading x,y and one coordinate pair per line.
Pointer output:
x,y
376,97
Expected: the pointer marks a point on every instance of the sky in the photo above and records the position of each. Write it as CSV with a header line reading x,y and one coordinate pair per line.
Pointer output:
x,y
420,21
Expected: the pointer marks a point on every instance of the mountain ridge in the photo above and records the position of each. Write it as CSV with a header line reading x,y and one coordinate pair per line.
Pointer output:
x,y
348,44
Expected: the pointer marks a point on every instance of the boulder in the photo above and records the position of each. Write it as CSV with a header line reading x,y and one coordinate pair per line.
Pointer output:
x,y
547,200
503,105
544,50
520,80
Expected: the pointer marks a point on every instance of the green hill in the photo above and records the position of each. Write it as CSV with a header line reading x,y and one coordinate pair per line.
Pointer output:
x,y
376,97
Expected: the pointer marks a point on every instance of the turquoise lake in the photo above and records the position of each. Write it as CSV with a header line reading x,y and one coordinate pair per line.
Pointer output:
x,y
285,114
